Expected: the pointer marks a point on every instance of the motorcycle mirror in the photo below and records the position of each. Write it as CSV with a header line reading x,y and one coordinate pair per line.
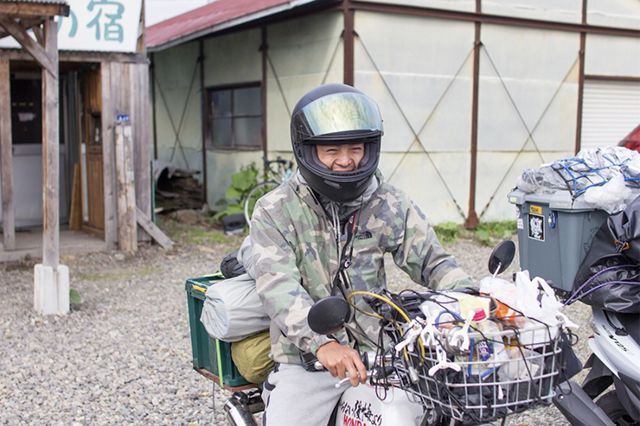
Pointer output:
x,y
501,257
328,315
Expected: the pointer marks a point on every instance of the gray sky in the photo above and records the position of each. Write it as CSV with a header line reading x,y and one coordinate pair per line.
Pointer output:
x,y
159,10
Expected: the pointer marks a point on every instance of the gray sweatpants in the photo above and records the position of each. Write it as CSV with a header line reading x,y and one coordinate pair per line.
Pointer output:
x,y
294,396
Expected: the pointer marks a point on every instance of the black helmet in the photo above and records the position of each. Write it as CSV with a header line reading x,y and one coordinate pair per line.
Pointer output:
x,y
335,114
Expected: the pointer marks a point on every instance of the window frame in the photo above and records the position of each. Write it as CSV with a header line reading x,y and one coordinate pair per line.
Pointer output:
x,y
209,117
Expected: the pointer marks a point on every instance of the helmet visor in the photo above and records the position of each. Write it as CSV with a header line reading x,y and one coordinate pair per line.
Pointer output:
x,y
337,113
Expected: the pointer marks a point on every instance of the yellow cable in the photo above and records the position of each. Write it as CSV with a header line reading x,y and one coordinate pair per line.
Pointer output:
x,y
377,296
388,302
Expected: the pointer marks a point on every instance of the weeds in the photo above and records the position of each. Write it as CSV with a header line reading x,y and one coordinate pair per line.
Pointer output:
x,y
487,233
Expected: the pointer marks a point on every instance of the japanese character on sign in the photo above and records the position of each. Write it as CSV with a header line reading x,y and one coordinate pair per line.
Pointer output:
x,y
74,23
105,20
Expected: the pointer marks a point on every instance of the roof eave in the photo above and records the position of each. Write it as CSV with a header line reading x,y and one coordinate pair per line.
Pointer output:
x,y
265,13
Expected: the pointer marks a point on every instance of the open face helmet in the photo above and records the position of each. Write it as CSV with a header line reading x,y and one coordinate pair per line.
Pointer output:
x,y
336,114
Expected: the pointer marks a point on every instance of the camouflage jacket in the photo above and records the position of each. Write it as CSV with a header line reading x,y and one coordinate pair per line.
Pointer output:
x,y
294,256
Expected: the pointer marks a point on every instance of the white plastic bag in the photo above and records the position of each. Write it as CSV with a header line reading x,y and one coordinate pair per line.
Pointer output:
x,y
611,196
536,300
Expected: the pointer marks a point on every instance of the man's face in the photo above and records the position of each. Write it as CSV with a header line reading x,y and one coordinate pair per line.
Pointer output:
x,y
341,158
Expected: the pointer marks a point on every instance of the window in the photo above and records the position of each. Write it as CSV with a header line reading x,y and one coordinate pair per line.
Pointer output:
x,y
235,117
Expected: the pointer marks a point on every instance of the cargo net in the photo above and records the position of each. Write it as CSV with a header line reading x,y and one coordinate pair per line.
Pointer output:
x,y
498,375
588,169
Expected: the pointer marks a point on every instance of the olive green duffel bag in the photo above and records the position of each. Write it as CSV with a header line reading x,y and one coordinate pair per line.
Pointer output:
x,y
251,357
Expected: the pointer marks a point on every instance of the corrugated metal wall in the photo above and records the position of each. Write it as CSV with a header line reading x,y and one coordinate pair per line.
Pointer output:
x,y
420,70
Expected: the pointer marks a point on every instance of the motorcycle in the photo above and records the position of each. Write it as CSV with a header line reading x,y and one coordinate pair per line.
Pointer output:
x,y
608,280
439,363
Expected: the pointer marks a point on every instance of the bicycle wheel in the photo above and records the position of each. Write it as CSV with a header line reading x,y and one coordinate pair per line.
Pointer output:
x,y
254,194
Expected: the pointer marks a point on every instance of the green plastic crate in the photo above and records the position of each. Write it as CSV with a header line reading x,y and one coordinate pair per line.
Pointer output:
x,y
209,355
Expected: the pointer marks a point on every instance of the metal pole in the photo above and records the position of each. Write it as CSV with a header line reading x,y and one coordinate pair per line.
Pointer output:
x,y
348,37
472,217
204,117
583,42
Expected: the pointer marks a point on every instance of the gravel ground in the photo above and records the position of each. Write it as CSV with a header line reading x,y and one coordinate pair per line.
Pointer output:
x,y
123,356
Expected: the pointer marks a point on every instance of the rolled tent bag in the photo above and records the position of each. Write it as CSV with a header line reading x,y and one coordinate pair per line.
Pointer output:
x,y
233,310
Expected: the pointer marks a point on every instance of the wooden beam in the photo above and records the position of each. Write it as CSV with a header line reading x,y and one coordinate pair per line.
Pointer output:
x,y
156,233
40,53
50,151
67,56
28,9
37,31
6,158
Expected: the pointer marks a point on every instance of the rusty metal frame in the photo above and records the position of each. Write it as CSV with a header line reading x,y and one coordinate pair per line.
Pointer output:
x,y
617,78
204,112
264,47
583,45
349,43
490,19
277,78
472,217
178,129
416,134
530,132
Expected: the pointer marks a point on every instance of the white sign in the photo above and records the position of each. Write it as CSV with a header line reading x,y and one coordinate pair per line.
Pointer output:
x,y
96,25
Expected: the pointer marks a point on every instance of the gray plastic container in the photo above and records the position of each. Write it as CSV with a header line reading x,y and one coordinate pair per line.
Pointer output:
x,y
554,234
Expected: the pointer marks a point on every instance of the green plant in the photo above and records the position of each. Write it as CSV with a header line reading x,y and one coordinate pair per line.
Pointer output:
x,y
489,233
74,297
241,183
447,232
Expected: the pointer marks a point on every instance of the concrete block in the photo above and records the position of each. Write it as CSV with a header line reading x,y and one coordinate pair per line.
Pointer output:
x,y
51,290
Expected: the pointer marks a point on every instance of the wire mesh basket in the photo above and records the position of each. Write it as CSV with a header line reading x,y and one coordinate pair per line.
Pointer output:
x,y
501,372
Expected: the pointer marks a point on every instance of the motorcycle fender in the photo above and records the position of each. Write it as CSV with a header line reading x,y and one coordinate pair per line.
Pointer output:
x,y
598,379
627,393
360,406
619,352
577,407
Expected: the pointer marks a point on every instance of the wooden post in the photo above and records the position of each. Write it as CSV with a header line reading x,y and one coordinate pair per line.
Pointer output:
x,y
6,157
108,158
50,151
139,83
127,226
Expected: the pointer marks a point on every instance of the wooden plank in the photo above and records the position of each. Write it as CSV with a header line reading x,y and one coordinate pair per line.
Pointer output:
x,y
108,158
127,236
75,210
140,123
6,158
50,152
156,233
33,9
130,189
67,56
42,55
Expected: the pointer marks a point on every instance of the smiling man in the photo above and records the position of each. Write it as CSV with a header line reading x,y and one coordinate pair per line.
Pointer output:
x,y
326,232
341,158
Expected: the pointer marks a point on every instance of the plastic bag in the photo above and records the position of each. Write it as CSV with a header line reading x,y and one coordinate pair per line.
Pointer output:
x,y
233,310
610,197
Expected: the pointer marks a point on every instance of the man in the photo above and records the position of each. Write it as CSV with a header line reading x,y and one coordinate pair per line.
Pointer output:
x,y
326,232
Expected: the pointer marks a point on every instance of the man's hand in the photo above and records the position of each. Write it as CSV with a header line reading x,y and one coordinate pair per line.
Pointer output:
x,y
339,359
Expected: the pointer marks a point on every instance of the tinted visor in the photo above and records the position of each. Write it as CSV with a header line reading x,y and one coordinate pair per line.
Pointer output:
x,y
341,113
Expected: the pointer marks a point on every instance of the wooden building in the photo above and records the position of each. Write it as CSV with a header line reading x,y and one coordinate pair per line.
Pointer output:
x,y
75,139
